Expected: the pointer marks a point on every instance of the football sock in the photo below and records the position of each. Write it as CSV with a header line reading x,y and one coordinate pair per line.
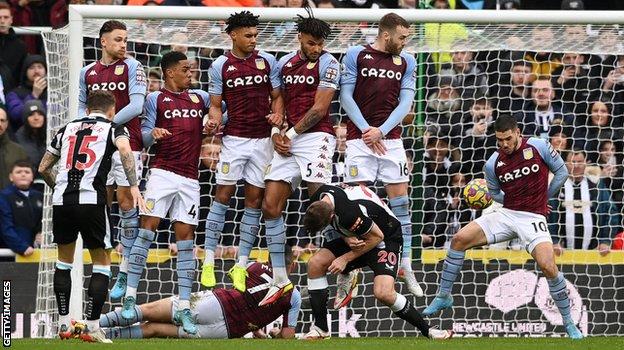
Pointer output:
x,y
129,232
276,239
97,293
558,291
452,266
133,332
214,226
137,259
400,208
62,290
317,287
405,310
249,227
186,268
114,319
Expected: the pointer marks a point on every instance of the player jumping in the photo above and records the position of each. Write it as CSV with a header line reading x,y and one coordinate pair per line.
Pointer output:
x,y
248,81
517,177
85,147
371,237
376,90
125,78
174,122
309,80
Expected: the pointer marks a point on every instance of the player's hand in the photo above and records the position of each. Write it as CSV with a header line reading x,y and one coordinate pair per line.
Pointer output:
x,y
378,148
549,209
160,133
558,249
604,249
281,145
38,240
275,119
173,249
372,135
137,199
479,128
211,127
39,84
354,243
259,334
338,265
28,252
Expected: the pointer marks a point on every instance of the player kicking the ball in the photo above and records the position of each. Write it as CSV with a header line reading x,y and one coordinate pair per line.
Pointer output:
x,y
371,237
173,123
248,82
377,89
517,177
309,80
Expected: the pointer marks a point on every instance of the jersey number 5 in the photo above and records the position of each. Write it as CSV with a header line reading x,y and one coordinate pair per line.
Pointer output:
x,y
83,150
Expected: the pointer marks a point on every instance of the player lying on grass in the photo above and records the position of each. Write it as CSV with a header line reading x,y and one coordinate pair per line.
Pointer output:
x,y
220,313
371,237
517,177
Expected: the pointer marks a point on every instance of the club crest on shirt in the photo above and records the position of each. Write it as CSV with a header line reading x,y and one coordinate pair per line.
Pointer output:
x,y
397,60
150,203
527,153
225,167
311,65
194,98
260,63
353,170
119,69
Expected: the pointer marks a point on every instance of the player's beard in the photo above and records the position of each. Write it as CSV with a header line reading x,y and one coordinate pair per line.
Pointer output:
x,y
393,48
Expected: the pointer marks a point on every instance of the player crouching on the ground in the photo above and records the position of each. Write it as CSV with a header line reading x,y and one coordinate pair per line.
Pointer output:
x,y
371,237
220,313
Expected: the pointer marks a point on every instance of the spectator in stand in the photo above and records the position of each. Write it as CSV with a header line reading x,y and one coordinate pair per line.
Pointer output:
x,y
12,49
10,152
443,108
558,139
154,79
574,86
613,85
599,128
477,141
582,216
543,63
459,213
21,210
513,97
610,171
607,40
34,13
468,79
541,113
572,5
2,97
32,135
328,4
34,86
576,37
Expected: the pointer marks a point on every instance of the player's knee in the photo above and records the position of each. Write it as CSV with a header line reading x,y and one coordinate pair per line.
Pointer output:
x,y
549,270
270,210
317,266
460,241
384,294
148,330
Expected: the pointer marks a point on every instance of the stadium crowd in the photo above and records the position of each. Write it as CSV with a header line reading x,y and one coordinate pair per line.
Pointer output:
x,y
575,100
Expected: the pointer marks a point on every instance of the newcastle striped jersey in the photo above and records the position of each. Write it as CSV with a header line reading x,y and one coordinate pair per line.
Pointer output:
x,y
85,147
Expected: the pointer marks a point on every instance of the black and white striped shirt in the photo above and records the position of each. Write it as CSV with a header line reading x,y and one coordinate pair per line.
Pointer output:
x,y
85,147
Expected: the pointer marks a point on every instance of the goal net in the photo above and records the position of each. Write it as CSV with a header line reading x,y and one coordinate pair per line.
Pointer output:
x,y
562,82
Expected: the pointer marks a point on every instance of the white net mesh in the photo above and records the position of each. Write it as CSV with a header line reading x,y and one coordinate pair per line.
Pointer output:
x,y
448,137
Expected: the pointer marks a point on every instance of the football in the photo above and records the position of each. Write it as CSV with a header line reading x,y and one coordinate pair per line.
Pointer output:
x,y
476,194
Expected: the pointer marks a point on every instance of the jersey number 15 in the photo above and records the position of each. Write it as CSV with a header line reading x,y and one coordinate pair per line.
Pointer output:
x,y
83,150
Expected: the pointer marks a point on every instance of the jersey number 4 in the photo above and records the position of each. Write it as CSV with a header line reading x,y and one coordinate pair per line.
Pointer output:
x,y
83,150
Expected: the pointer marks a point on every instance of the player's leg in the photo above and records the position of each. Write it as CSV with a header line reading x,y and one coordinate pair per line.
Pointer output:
x,y
143,331
156,311
138,259
471,235
214,226
65,231
129,219
186,274
400,206
318,286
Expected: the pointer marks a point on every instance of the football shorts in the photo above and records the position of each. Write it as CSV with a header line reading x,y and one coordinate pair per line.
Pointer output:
x,y
363,165
117,175
505,224
207,314
91,220
244,158
167,192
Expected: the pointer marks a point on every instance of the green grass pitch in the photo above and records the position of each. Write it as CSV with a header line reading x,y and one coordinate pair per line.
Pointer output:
x,y
597,343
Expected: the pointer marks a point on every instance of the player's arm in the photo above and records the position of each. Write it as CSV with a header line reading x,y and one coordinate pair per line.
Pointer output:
x,y
215,89
555,164
276,118
51,156
290,318
137,87
492,182
406,97
149,132
82,97
347,87
122,142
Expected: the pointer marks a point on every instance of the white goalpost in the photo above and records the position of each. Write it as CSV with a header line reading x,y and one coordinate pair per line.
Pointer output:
x,y
500,291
